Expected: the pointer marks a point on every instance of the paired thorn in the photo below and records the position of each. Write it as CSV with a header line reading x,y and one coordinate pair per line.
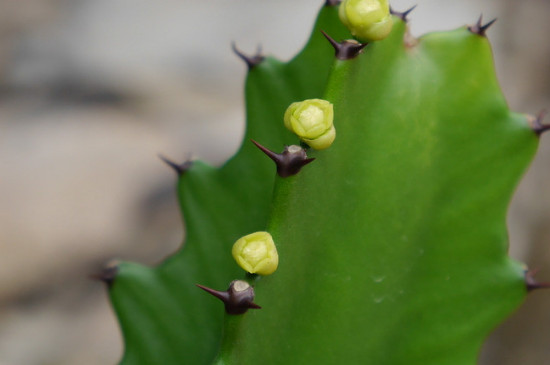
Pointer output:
x,y
251,61
179,168
479,28
290,161
332,2
108,274
238,298
347,49
403,15
537,125
531,283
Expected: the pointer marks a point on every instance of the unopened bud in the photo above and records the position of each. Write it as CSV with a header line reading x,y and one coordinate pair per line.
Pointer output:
x,y
367,20
312,121
256,253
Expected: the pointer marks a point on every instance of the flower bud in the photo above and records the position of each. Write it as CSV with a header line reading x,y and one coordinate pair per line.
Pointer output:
x,y
367,20
256,253
312,121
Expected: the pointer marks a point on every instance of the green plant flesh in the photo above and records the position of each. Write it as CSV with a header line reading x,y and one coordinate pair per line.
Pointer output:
x,y
392,244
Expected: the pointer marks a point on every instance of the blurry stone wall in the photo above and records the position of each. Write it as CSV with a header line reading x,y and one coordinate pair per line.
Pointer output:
x,y
91,91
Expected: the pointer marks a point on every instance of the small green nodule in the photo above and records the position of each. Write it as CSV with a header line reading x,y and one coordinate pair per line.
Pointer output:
x,y
312,121
256,253
367,20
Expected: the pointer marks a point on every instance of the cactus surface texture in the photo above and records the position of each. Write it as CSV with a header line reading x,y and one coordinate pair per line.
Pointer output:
x,y
392,242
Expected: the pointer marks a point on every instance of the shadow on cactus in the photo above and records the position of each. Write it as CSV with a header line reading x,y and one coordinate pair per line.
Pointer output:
x,y
377,237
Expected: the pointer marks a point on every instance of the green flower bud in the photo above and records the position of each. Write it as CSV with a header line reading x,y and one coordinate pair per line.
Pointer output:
x,y
256,253
367,20
312,121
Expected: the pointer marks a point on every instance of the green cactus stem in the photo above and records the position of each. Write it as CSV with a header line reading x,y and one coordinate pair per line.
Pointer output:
x,y
414,261
392,246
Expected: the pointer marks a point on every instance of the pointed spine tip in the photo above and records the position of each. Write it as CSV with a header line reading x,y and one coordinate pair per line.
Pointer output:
x,y
107,275
221,295
532,284
237,299
538,126
479,28
345,50
403,14
179,168
251,61
272,155
290,161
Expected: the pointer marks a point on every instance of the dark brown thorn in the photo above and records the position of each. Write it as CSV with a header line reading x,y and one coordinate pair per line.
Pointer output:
x,y
531,283
221,295
237,299
108,274
332,2
179,168
254,306
290,161
347,49
403,15
479,28
251,61
537,126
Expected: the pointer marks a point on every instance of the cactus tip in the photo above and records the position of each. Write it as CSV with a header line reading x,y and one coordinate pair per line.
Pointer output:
x,y
537,125
237,299
531,283
290,161
347,49
108,274
403,14
179,168
251,61
479,28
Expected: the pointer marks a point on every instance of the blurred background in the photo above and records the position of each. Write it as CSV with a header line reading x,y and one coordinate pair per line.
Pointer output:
x,y
91,91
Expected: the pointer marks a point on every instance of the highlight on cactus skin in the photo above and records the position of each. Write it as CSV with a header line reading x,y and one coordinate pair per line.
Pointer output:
x,y
312,120
367,20
256,253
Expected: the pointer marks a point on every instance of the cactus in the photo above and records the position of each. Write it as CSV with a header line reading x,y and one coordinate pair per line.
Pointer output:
x,y
391,239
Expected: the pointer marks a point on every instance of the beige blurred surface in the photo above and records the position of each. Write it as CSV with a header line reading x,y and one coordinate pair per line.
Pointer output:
x,y
92,90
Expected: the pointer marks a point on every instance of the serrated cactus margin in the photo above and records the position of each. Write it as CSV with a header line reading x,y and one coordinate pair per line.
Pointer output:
x,y
391,244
